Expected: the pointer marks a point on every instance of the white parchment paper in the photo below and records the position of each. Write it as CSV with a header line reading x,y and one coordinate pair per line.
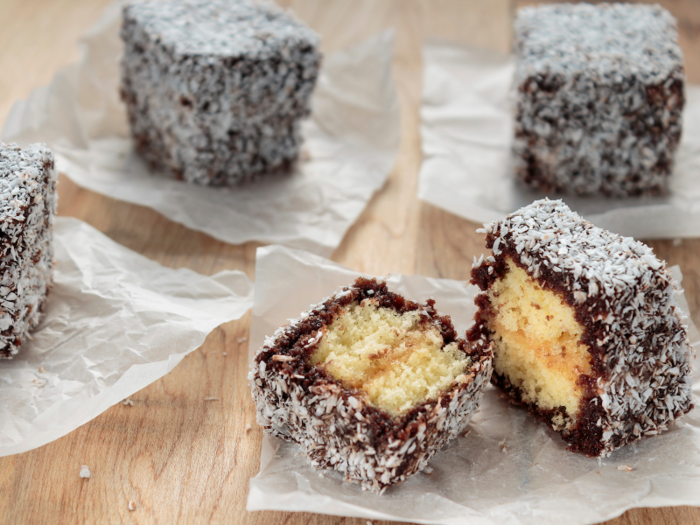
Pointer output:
x,y
533,480
466,129
115,322
351,142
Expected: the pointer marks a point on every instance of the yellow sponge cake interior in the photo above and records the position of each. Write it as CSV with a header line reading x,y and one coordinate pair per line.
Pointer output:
x,y
397,359
537,343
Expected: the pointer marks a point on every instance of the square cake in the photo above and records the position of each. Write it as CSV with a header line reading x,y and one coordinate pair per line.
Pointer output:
x,y
585,329
27,207
215,89
599,98
369,384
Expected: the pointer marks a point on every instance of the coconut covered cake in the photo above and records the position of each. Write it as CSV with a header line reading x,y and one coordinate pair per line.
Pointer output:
x,y
585,330
215,90
369,384
599,98
27,207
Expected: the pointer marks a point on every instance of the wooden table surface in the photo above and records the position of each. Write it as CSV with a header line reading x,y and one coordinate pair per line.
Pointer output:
x,y
185,461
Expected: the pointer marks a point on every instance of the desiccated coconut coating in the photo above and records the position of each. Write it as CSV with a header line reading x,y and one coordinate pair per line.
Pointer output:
x,y
215,89
27,207
337,426
599,98
639,379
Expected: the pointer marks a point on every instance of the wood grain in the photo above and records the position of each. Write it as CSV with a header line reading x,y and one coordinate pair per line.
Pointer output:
x,y
181,459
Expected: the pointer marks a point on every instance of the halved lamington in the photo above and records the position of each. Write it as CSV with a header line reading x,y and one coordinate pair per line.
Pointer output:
x,y
369,384
585,330
27,207
599,98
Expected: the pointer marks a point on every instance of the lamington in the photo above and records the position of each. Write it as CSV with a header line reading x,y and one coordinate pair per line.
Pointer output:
x,y
585,329
599,97
27,207
369,384
215,90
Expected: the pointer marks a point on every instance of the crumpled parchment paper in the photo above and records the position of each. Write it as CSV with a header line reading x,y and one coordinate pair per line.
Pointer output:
x,y
351,142
466,129
114,322
509,469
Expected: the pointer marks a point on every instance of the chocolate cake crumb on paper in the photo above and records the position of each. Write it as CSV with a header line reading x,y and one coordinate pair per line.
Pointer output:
x,y
27,207
215,89
599,98
340,425
585,328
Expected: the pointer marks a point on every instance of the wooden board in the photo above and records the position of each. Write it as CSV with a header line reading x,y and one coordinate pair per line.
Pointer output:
x,y
181,459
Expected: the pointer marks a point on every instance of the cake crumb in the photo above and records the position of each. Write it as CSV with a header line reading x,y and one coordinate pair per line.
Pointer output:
x,y
42,370
128,402
625,468
84,471
428,471
320,475
224,354
504,447
211,399
248,428
677,242
132,505
242,340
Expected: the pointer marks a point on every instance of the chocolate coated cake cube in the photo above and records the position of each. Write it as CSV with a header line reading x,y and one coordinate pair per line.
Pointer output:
x,y
215,89
27,207
599,98
586,332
